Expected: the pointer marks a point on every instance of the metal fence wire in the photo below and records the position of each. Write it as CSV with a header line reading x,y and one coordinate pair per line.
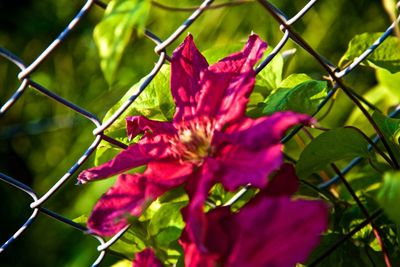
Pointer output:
x,y
334,73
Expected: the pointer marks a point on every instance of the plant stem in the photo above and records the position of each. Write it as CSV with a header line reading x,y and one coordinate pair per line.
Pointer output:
x,y
338,243
366,214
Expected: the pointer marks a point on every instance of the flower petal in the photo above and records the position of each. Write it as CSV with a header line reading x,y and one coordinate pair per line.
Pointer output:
x,y
187,65
264,131
134,156
193,256
240,166
227,84
138,124
146,258
126,198
168,173
198,187
284,183
277,232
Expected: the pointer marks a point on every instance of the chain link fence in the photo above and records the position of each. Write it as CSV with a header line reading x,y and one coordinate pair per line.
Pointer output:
x,y
334,74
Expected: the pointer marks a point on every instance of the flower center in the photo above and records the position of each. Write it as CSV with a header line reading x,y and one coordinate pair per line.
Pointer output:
x,y
193,141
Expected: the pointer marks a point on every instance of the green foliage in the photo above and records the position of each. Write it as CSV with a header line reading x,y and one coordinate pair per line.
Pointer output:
x,y
351,253
44,151
386,56
134,240
123,263
298,93
389,81
331,146
389,195
155,102
166,224
113,33
391,131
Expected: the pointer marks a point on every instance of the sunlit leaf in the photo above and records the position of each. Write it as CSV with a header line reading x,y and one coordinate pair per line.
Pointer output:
x,y
132,241
167,223
389,80
114,31
155,103
331,146
297,93
386,56
391,131
123,263
389,195
267,80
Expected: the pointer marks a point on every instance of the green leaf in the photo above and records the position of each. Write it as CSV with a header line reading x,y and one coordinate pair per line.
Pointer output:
x,y
132,241
331,146
386,56
270,77
267,80
114,31
166,224
297,93
391,131
350,253
389,80
389,195
155,103
389,126
123,263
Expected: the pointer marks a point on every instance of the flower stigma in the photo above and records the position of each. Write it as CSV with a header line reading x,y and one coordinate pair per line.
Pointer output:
x,y
193,141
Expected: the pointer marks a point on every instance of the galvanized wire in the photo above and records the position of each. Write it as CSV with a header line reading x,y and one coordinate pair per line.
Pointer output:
x,y
26,83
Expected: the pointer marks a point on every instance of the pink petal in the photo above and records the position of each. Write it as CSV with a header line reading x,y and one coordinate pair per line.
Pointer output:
x,y
198,187
126,198
240,165
264,131
146,258
131,192
187,65
138,124
277,232
193,256
227,84
134,156
284,183
250,150
168,173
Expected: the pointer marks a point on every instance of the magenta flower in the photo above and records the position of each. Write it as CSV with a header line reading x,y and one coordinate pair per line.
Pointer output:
x,y
210,140
270,230
146,258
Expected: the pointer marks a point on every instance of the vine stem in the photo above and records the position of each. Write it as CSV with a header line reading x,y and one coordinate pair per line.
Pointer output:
x,y
300,41
373,145
359,203
338,243
365,211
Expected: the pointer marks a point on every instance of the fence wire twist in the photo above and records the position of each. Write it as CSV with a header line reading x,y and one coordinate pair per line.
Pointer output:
x,y
335,76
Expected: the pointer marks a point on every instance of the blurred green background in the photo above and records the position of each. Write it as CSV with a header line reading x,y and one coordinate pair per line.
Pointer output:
x,y
41,139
